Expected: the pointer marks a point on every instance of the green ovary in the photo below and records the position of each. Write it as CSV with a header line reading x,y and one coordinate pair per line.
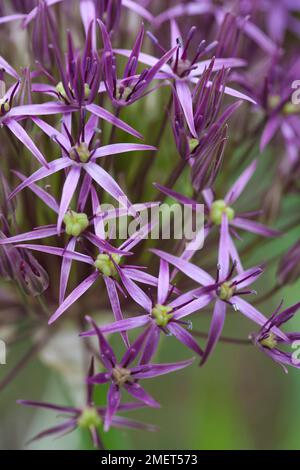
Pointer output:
x,y
4,107
75,223
217,210
161,314
193,143
82,151
121,375
122,93
89,418
269,341
290,108
104,263
226,291
62,92
87,91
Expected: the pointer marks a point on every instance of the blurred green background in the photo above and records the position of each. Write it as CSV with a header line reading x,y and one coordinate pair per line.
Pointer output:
x,y
239,400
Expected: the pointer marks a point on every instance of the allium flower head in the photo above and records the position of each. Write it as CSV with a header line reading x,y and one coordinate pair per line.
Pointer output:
x,y
123,374
270,343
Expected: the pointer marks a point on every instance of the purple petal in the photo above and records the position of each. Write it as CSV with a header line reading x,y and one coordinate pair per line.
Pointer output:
x,y
257,317
109,117
122,325
240,184
184,337
115,304
113,402
269,131
49,406
192,271
223,256
65,270
52,250
140,394
107,355
8,68
246,278
259,37
151,344
137,294
185,98
113,149
88,15
75,295
193,306
219,64
134,350
41,232
107,182
65,427
184,9
208,196
177,196
138,236
9,18
69,189
22,135
235,256
215,329
254,227
47,198
53,167
52,132
44,109
99,379
121,422
147,371
163,282
139,9
140,276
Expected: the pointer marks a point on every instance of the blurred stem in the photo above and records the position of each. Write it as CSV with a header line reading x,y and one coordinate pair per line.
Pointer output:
x,y
26,358
149,160
174,176
224,339
268,294
42,303
109,161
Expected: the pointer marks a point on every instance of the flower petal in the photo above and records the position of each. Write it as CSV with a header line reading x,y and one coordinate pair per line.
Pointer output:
x,y
22,135
191,270
69,189
75,295
109,117
184,337
113,402
41,173
240,184
215,329
140,394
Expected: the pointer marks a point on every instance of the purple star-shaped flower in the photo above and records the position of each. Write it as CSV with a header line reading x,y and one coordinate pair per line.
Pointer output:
x,y
227,290
90,417
215,209
119,373
269,342
164,315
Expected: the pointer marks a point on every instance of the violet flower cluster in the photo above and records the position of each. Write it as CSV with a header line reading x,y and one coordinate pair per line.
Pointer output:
x,y
199,99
